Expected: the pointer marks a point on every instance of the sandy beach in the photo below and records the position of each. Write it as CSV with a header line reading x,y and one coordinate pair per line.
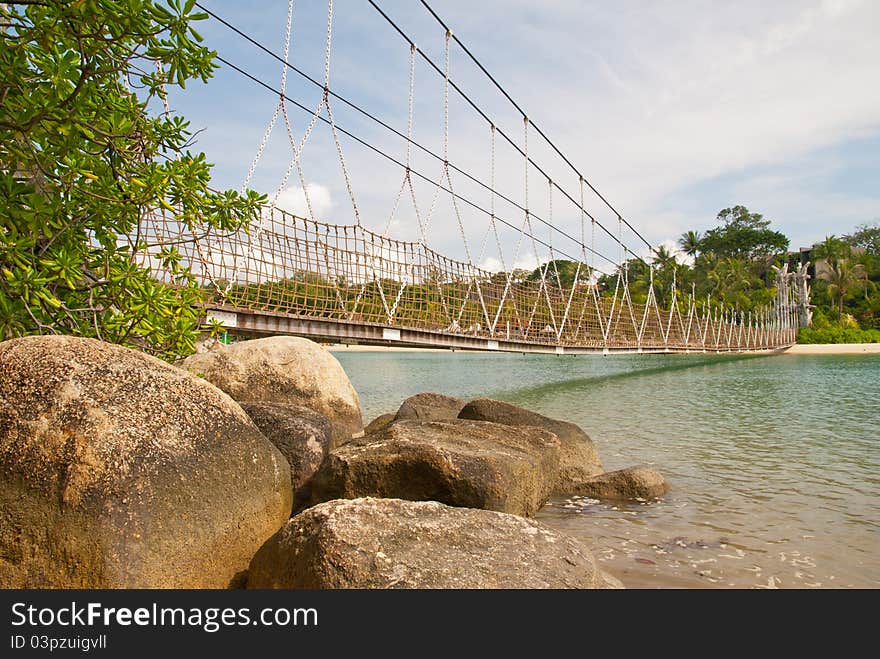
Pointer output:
x,y
834,349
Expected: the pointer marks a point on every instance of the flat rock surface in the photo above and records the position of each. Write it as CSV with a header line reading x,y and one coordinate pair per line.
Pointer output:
x,y
579,458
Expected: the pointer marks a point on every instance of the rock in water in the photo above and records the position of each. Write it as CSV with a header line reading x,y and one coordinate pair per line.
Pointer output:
x,y
120,471
629,483
303,437
579,458
460,463
380,422
430,407
389,543
284,369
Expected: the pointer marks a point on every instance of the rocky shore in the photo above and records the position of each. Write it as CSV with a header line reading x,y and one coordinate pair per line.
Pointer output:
x,y
118,470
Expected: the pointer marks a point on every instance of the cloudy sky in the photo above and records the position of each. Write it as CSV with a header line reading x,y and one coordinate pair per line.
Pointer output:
x,y
672,110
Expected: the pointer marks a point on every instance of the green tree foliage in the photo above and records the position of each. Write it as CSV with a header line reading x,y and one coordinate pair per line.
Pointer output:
x,y
842,276
566,269
832,250
844,285
731,264
743,235
84,158
866,236
836,333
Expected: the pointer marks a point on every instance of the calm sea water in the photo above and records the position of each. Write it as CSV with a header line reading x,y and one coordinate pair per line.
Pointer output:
x,y
774,461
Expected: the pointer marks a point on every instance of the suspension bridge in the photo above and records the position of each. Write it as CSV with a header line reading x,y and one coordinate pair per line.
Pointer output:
x,y
344,282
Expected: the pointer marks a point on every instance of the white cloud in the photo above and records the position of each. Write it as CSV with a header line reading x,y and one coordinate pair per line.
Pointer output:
x,y
293,199
526,262
668,95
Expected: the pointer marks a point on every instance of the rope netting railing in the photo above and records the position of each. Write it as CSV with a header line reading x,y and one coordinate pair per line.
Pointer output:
x,y
284,264
350,274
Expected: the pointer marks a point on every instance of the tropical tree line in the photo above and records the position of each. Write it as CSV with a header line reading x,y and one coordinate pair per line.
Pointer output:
x,y
730,264
845,290
735,263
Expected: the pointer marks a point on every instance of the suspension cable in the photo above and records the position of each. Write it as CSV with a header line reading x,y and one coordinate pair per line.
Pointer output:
x,y
409,139
537,128
503,134
397,162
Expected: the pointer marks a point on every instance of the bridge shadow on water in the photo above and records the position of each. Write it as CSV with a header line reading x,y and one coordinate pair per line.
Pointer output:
x,y
384,379
629,367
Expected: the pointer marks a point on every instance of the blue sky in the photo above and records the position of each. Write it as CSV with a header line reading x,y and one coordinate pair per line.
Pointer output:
x,y
673,110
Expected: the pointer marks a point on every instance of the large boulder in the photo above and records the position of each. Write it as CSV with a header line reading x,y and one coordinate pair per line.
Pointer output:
x,y
284,369
630,483
579,459
430,407
120,471
389,543
303,437
460,463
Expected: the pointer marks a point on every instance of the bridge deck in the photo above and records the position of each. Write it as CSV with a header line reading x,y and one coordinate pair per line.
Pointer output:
x,y
264,323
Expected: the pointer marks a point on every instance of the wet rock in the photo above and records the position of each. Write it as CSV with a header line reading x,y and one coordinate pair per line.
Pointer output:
x,y
579,458
630,483
430,407
284,369
302,435
389,543
461,463
120,471
379,423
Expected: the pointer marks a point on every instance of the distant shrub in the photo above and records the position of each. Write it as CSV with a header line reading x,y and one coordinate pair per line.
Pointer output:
x,y
838,335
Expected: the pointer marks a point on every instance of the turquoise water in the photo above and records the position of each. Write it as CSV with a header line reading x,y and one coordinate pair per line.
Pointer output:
x,y
774,461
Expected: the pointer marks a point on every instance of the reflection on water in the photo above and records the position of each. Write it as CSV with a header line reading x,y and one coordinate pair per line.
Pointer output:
x,y
774,461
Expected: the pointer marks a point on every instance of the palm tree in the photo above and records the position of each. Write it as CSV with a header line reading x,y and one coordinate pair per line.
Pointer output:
x,y
729,277
832,249
841,276
737,273
663,257
714,272
666,268
867,261
690,242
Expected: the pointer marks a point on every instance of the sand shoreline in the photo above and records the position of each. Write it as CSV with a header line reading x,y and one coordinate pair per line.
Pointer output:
x,y
834,349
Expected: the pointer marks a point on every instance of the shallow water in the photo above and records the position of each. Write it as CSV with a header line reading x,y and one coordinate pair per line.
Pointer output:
x,y
774,461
